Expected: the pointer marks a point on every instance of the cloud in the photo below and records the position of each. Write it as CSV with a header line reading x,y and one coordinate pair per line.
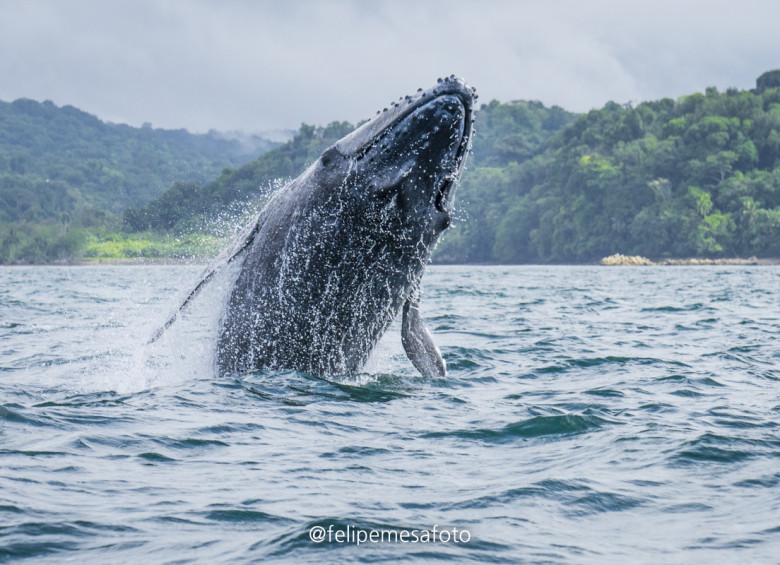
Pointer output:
x,y
256,65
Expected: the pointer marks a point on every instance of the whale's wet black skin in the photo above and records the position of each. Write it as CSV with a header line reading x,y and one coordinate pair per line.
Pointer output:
x,y
340,250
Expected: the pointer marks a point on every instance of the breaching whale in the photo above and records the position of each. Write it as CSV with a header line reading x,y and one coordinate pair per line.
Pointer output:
x,y
337,252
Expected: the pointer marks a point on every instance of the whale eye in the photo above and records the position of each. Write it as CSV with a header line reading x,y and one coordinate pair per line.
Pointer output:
x,y
329,155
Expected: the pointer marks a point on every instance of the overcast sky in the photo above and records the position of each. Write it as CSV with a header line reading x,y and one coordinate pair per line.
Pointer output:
x,y
260,65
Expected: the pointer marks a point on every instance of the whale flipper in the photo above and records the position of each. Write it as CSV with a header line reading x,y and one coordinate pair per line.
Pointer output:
x,y
418,342
223,259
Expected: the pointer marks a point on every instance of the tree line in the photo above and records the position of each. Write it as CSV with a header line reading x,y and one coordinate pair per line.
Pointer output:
x,y
696,176
64,172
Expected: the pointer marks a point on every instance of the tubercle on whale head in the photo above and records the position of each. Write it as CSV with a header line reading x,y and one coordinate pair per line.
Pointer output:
x,y
413,152
371,132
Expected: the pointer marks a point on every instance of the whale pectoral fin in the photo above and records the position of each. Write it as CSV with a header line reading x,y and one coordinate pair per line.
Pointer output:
x,y
223,259
418,343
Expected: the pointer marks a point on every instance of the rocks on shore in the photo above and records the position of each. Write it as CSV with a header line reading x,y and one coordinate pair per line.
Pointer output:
x,y
618,259
623,260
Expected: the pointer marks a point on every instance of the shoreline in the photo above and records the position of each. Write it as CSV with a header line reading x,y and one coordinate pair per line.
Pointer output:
x,y
136,261
611,261
111,261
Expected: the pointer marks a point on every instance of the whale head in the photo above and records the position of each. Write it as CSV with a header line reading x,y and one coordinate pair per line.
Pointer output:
x,y
401,168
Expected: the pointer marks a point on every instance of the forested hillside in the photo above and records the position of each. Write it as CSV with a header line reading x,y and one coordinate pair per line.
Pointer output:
x,y
55,163
696,176
65,173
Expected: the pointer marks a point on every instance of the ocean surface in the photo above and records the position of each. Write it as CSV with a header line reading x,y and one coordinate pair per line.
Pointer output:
x,y
590,415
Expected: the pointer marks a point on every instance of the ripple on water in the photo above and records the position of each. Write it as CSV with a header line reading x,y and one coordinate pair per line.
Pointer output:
x,y
535,427
711,448
589,416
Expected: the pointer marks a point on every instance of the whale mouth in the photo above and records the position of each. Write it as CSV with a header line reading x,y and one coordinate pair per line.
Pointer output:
x,y
442,203
462,119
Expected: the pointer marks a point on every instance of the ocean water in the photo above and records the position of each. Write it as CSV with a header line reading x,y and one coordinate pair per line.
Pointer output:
x,y
590,415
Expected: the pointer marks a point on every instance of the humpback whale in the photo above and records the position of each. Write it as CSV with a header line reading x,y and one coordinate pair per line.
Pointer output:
x,y
337,252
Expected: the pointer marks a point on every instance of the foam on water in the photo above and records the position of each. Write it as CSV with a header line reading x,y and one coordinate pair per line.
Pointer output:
x,y
187,348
